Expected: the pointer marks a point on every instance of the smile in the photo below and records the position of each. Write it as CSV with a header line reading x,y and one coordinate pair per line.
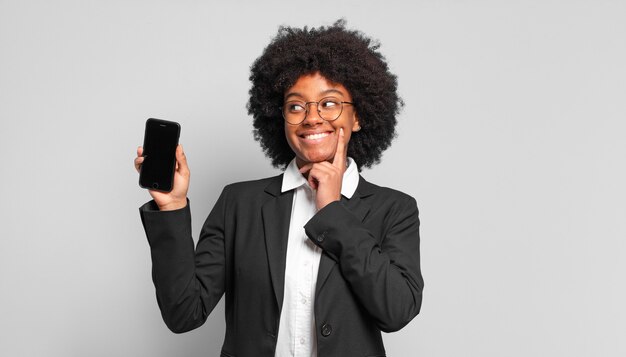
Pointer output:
x,y
316,136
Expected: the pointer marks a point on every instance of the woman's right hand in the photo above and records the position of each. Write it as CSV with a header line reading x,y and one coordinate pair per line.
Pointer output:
x,y
177,198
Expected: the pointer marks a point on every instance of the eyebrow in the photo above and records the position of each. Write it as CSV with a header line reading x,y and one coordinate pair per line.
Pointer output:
x,y
327,91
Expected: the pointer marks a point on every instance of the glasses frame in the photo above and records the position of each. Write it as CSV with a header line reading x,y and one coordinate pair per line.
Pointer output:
x,y
317,105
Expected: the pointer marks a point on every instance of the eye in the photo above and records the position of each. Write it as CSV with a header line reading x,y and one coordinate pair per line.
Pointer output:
x,y
329,103
295,107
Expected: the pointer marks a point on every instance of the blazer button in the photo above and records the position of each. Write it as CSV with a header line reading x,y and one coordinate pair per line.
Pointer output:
x,y
327,329
321,237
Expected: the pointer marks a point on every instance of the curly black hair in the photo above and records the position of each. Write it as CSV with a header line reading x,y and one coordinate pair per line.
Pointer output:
x,y
342,56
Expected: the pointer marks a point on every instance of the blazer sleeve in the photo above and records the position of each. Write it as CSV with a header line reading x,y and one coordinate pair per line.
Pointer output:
x,y
383,272
188,283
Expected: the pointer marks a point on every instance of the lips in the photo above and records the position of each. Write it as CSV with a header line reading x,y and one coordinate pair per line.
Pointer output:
x,y
315,135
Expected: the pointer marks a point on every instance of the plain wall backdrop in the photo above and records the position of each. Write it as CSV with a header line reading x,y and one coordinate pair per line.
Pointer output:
x,y
511,140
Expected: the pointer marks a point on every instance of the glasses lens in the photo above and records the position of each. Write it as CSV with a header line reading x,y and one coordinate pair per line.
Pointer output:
x,y
294,112
330,108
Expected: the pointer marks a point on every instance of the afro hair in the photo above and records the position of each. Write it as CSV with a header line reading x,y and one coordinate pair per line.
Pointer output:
x,y
342,56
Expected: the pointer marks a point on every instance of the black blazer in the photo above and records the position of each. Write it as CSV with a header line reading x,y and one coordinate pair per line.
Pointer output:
x,y
369,276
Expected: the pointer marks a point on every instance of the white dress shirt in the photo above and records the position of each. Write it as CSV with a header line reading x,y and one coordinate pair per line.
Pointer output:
x,y
296,331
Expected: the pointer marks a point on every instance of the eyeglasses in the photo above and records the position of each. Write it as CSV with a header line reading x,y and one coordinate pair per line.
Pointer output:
x,y
329,109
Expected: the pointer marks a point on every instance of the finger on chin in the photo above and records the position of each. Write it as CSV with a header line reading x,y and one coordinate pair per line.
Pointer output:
x,y
340,152
305,168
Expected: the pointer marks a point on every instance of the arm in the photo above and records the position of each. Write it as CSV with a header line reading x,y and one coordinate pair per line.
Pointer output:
x,y
384,277
188,284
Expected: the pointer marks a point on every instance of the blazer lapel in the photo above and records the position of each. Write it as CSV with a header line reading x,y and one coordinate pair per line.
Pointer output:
x,y
359,209
276,214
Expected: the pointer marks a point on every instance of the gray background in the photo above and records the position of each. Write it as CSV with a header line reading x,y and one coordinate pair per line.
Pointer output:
x,y
511,141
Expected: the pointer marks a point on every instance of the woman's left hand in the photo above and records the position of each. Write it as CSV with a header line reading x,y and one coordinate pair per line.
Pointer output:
x,y
326,177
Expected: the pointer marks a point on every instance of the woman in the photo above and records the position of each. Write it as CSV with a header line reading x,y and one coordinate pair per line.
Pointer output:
x,y
316,261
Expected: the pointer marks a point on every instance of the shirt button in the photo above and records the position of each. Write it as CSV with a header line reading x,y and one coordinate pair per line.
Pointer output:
x,y
302,341
327,329
304,301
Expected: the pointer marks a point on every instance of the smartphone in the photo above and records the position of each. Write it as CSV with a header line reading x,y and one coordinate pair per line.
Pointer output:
x,y
159,151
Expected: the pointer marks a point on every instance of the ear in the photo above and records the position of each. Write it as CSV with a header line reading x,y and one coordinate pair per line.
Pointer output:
x,y
356,126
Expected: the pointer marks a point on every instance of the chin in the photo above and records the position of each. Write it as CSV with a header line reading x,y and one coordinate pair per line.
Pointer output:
x,y
315,158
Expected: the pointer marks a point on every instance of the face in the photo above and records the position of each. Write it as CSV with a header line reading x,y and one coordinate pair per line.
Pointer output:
x,y
315,139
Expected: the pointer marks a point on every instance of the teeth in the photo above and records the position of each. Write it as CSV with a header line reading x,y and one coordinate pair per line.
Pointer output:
x,y
316,136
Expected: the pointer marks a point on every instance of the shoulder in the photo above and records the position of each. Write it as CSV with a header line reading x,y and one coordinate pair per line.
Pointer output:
x,y
366,189
254,187
249,194
384,196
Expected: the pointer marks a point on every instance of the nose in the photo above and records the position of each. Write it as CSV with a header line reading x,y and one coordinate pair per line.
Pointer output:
x,y
312,115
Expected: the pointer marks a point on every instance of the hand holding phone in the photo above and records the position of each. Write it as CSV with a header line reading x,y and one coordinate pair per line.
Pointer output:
x,y
162,165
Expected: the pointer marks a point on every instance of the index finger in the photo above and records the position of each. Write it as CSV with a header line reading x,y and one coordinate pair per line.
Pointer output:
x,y
339,160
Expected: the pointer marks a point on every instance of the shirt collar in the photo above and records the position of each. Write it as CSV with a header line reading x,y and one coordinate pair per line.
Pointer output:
x,y
292,178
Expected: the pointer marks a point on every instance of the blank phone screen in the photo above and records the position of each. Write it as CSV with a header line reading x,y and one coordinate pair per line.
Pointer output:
x,y
159,150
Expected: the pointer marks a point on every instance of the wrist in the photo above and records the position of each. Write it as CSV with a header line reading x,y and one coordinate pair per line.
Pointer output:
x,y
171,206
323,203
